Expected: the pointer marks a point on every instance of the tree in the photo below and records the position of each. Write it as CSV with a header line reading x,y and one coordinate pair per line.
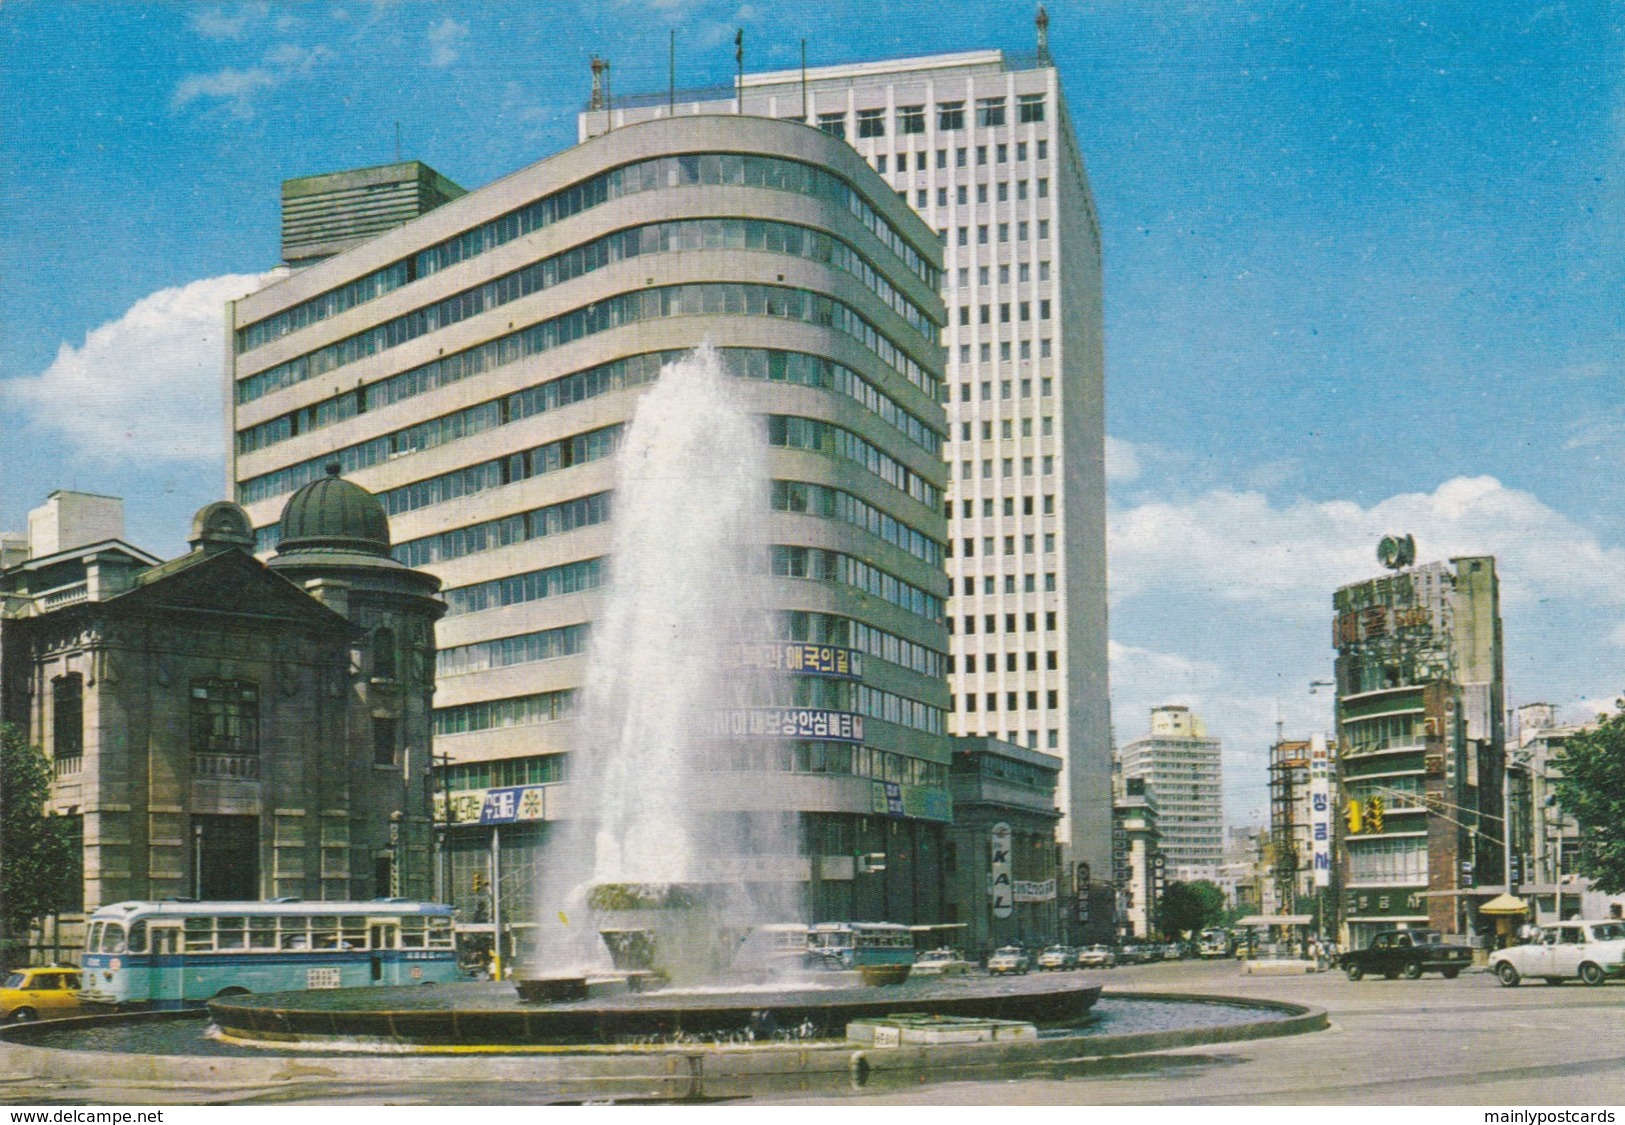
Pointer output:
x,y
1592,790
1188,907
39,859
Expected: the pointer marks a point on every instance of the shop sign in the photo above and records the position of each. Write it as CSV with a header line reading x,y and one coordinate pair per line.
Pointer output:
x,y
1320,810
1027,890
999,884
791,722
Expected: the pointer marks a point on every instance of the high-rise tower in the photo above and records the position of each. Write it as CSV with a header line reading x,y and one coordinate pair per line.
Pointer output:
x,y
981,145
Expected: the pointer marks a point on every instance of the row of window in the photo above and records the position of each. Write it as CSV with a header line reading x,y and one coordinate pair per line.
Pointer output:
x,y
532,586
1022,309
985,355
999,194
555,455
834,629
1029,584
775,366
649,175
967,548
961,159
589,257
910,120
833,757
1388,859
1012,701
991,662
990,623
835,504
540,769
538,523
1383,732
894,708
525,648
984,233
832,566
818,436
984,274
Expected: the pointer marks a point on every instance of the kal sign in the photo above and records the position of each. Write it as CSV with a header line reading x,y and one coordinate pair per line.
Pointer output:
x,y
1000,885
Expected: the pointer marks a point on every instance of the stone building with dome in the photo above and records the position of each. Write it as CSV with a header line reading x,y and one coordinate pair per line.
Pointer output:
x,y
221,727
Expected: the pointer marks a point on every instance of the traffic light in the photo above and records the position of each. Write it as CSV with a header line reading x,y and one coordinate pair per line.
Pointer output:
x,y
1355,821
479,882
1373,815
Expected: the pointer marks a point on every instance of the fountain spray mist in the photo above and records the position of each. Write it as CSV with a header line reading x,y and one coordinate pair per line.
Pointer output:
x,y
662,833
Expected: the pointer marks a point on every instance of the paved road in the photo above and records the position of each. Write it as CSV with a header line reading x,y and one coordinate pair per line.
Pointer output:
x,y
1432,1041
1426,1042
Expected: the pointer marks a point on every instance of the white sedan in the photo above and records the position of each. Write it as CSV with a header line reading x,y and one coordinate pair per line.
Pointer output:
x,y
1589,951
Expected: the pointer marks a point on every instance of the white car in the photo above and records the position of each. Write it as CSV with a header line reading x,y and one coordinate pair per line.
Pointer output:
x,y
1096,957
944,962
1590,951
1008,960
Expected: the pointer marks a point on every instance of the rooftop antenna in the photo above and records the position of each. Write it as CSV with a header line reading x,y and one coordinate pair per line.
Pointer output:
x,y
1043,36
600,90
739,59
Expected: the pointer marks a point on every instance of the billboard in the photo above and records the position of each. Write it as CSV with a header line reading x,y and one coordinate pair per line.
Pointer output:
x,y
791,722
1320,810
1000,887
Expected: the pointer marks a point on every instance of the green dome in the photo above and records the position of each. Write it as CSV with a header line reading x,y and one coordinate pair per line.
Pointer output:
x,y
332,514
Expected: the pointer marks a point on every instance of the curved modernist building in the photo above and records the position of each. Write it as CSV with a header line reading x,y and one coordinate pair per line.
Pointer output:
x,y
474,369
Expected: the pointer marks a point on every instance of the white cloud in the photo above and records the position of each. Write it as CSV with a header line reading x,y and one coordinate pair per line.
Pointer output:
x,y
145,387
446,39
1237,547
218,23
234,90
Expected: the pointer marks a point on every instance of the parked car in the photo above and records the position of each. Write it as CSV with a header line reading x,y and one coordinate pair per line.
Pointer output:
x,y
941,962
1057,957
1589,951
1096,957
41,993
1009,960
1131,955
1407,953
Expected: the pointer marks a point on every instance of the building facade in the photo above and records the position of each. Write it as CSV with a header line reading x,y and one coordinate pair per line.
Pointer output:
x,y
981,146
223,728
1183,773
1004,872
475,368
1420,746
1138,867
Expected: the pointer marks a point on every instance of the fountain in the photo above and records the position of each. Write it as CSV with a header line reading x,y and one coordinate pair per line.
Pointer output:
x,y
636,985
653,876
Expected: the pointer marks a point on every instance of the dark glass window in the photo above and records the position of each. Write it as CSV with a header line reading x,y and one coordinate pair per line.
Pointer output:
x,y
225,717
68,716
383,740
383,654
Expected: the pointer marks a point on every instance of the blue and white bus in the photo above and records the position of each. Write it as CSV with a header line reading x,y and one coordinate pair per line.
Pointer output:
x,y
183,954
858,945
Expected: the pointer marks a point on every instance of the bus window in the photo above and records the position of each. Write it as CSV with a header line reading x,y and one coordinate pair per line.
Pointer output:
x,y
412,936
138,937
440,935
383,935
199,934
166,939
353,932
113,939
229,933
262,933
293,932
93,939
324,932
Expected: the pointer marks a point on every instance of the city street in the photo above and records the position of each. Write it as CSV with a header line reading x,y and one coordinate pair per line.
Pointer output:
x,y
1430,1041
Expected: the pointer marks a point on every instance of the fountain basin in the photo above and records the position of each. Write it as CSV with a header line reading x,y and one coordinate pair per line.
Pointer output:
x,y
490,1014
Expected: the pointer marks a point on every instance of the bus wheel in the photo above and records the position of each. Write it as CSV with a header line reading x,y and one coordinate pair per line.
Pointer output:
x,y
230,991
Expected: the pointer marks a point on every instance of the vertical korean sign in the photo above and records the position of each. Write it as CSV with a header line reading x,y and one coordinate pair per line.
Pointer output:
x,y
1320,809
1000,886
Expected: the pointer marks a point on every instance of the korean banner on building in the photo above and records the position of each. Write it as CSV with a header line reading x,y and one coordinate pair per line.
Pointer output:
x,y
1320,810
801,657
791,722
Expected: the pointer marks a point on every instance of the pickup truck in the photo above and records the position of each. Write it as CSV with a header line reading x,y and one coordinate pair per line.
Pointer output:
x,y
1406,953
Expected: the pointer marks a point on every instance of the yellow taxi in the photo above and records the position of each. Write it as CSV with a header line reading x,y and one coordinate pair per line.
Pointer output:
x,y
39,993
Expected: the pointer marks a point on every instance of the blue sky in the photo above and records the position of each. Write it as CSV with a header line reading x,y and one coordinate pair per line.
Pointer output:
x,y
1364,272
